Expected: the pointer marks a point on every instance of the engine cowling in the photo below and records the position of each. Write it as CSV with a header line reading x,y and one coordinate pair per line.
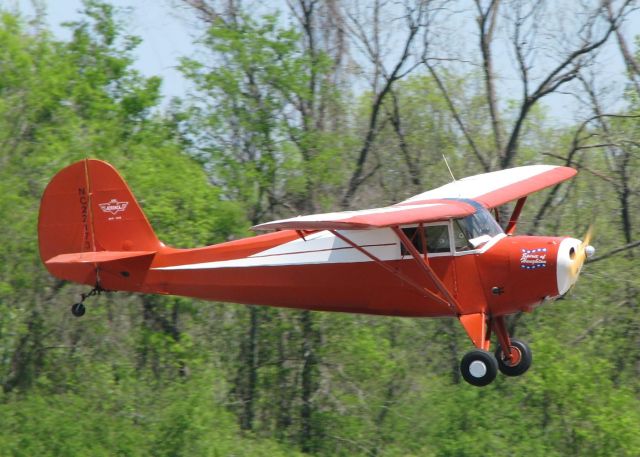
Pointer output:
x,y
522,272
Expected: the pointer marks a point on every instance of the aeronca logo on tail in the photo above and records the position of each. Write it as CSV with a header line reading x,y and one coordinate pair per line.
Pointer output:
x,y
114,206
533,259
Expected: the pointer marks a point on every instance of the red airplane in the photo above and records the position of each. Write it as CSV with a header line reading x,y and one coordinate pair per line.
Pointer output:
x,y
440,253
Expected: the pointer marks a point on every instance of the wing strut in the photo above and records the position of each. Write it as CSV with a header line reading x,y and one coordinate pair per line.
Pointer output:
x,y
423,263
475,324
513,220
422,290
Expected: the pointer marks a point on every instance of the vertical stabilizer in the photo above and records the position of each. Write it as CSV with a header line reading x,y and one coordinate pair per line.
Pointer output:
x,y
88,207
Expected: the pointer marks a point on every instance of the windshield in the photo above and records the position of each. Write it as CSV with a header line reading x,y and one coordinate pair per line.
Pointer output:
x,y
475,230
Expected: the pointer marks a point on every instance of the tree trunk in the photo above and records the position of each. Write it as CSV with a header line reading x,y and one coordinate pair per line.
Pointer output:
x,y
309,369
248,371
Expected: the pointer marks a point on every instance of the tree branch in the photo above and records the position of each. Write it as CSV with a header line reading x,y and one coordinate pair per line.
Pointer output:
x,y
357,177
564,72
486,166
487,20
615,251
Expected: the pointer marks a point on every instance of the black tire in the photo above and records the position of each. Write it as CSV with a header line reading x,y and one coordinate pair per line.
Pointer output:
x,y
479,367
521,366
78,309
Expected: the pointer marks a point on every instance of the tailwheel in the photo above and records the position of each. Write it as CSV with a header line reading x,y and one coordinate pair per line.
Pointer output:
x,y
520,359
78,309
479,367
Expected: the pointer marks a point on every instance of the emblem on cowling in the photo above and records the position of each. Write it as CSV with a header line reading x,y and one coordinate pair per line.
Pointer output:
x,y
533,259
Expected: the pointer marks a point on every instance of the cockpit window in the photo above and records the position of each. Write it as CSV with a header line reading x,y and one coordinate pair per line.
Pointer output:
x,y
475,230
469,233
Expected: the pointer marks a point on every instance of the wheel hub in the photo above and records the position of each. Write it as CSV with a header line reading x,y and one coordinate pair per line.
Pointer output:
x,y
514,360
477,369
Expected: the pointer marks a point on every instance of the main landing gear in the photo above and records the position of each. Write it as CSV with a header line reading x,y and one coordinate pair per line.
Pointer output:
x,y
78,309
480,367
518,362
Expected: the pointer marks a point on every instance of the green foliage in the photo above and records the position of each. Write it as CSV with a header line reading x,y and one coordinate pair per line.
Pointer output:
x,y
256,128
269,134
105,417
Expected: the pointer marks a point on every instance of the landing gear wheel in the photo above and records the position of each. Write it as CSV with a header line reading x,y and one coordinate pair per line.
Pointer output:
x,y
478,367
78,309
521,359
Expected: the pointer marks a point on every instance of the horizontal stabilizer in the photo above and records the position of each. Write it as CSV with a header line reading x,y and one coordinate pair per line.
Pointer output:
x,y
96,257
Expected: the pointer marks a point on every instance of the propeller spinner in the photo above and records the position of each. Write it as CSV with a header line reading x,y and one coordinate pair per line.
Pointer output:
x,y
571,257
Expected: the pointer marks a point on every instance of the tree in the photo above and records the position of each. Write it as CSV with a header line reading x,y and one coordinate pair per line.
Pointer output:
x,y
528,31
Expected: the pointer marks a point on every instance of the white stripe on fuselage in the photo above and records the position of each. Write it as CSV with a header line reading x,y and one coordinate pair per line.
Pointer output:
x,y
324,247
321,247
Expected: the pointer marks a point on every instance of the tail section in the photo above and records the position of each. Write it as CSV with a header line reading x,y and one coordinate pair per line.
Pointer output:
x,y
91,229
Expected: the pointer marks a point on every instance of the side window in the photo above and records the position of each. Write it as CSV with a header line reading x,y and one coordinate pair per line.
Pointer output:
x,y
414,236
436,236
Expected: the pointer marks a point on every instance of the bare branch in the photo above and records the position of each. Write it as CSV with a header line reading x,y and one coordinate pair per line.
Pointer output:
x,y
205,10
486,166
626,247
569,161
413,23
583,167
487,20
566,70
633,67
395,119
598,322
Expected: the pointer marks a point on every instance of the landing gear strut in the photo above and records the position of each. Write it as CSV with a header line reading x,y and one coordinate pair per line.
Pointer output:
x,y
78,309
514,356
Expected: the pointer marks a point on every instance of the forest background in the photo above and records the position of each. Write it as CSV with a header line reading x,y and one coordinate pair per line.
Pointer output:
x,y
314,106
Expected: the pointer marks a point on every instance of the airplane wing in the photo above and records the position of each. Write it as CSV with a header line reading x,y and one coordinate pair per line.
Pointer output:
x,y
498,187
425,211
489,189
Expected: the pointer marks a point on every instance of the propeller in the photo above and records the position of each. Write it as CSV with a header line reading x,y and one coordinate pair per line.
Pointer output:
x,y
580,254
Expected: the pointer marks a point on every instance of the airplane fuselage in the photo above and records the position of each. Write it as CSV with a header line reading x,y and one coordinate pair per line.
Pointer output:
x,y
319,271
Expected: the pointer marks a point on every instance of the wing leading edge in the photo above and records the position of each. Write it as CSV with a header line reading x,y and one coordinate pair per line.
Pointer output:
x,y
429,211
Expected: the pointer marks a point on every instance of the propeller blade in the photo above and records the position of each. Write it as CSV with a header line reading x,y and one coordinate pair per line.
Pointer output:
x,y
583,251
587,236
